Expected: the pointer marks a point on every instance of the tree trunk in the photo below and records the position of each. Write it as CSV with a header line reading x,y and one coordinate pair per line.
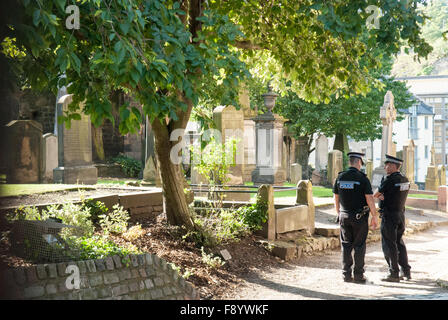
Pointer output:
x,y
303,154
341,142
177,211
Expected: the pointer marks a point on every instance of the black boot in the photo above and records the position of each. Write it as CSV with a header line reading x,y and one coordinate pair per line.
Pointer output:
x,y
359,279
347,278
391,278
405,274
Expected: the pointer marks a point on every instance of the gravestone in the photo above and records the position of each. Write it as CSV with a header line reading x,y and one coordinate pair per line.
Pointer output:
x,y
407,168
432,175
441,173
316,177
321,152
151,175
388,114
23,152
230,123
50,156
334,165
74,149
296,173
369,169
249,135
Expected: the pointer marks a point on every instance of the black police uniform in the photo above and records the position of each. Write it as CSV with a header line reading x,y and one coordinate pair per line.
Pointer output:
x,y
352,186
395,189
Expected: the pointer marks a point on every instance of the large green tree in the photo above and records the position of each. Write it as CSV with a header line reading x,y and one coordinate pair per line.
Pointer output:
x,y
356,117
166,53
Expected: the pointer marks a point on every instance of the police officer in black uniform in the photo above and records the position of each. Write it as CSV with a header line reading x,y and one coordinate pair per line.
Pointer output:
x,y
392,193
352,194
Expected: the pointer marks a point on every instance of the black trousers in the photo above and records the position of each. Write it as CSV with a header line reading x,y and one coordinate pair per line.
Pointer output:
x,y
394,249
353,238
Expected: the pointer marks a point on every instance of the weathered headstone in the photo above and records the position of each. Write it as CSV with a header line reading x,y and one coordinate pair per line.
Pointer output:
x,y
249,134
74,149
408,156
23,151
50,156
369,169
151,175
321,152
334,165
388,114
441,173
296,173
432,175
316,177
230,122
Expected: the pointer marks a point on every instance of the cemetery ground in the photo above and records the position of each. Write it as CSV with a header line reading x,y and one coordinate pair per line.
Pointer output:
x,y
253,271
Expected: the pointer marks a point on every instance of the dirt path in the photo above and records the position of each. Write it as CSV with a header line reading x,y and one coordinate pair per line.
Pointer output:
x,y
319,276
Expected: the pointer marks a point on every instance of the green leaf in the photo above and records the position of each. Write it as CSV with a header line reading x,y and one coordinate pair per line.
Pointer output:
x,y
76,62
36,16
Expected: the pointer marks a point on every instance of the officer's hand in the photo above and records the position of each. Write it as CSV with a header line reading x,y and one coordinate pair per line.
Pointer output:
x,y
374,222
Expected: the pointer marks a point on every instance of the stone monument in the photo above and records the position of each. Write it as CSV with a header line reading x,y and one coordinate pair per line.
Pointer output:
x,y
50,156
74,149
23,152
407,168
269,137
321,152
432,175
369,169
441,174
388,114
230,123
151,175
334,165
296,173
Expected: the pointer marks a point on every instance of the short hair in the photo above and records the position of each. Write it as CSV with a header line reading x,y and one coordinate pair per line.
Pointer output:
x,y
353,160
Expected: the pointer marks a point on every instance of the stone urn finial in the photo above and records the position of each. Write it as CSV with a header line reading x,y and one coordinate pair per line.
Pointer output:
x,y
269,98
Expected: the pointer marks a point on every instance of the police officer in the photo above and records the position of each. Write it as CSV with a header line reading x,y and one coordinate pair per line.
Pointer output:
x,y
352,193
392,193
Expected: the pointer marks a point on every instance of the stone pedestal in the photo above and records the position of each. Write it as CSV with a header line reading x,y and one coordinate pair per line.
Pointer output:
x,y
441,173
151,175
369,169
74,149
269,136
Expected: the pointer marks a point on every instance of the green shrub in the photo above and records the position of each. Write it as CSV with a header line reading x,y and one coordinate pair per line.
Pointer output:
x,y
115,221
97,208
210,261
98,247
254,215
129,166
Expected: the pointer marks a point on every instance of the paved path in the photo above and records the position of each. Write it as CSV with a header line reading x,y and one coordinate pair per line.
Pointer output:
x,y
319,276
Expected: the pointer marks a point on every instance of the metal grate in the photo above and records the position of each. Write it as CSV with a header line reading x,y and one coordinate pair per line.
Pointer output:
x,y
41,242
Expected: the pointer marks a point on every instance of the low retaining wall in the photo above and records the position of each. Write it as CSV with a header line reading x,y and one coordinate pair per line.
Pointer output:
x,y
422,203
145,277
139,204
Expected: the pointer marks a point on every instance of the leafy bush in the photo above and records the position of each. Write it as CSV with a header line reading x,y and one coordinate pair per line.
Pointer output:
x,y
129,166
134,233
69,213
115,221
254,215
209,260
97,208
98,247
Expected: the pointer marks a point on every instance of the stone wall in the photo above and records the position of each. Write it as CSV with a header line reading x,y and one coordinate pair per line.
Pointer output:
x,y
136,277
39,107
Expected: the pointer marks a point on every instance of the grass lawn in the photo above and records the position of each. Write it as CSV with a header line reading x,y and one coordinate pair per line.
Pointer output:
x,y
422,196
107,181
318,191
9,190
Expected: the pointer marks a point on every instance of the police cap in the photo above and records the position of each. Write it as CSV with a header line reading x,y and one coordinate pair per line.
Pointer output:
x,y
393,160
356,155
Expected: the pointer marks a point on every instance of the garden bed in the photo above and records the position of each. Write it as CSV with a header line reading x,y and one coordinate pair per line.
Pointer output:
x,y
166,242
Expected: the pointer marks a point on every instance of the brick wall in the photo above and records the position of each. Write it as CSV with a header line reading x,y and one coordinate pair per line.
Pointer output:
x,y
145,277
